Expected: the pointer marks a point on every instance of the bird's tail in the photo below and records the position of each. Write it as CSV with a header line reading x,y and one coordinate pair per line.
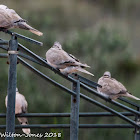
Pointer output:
x,y
24,25
26,130
24,121
84,65
73,69
131,96
84,71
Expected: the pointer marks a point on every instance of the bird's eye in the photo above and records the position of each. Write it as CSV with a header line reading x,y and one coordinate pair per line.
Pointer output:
x,y
26,122
56,46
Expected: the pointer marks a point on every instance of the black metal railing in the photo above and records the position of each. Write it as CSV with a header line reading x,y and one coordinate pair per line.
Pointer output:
x,y
77,81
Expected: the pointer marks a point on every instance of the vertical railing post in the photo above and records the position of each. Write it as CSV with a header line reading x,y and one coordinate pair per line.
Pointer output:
x,y
74,118
137,130
12,82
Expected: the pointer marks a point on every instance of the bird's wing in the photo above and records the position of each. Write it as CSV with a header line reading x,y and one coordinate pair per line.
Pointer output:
x,y
110,87
58,57
120,84
76,61
5,20
13,15
73,57
62,59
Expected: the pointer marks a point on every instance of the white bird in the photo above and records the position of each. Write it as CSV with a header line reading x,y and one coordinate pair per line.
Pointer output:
x,y
63,61
10,19
112,88
21,107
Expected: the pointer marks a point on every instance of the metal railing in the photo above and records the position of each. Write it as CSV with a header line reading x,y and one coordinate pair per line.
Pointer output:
x,y
77,83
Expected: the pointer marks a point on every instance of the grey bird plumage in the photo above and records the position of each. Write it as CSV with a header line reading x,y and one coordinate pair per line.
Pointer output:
x,y
66,63
21,107
10,19
112,88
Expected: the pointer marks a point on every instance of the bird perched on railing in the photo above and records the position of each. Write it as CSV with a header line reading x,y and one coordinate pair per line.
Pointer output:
x,y
20,107
10,19
112,88
63,61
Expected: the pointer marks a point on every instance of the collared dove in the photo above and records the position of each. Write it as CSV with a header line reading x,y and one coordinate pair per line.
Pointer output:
x,y
10,19
112,88
21,107
63,61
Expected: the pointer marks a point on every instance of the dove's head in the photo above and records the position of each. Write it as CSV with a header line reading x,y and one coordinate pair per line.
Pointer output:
x,y
24,121
107,74
57,45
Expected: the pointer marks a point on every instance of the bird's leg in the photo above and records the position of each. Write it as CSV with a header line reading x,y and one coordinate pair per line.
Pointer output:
x,y
75,74
109,98
56,69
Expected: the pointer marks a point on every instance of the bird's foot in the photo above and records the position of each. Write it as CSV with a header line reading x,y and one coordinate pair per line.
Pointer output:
x,y
56,69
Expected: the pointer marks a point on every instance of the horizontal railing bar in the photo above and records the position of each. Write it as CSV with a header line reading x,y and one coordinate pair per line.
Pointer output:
x,y
68,126
82,114
3,55
39,126
109,100
4,47
23,37
4,42
109,109
44,62
44,76
106,126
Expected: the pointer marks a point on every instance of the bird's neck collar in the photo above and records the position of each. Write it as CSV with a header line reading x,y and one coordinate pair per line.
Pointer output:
x,y
107,76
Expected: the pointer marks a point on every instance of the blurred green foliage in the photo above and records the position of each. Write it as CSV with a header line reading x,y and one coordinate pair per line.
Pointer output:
x,y
103,34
